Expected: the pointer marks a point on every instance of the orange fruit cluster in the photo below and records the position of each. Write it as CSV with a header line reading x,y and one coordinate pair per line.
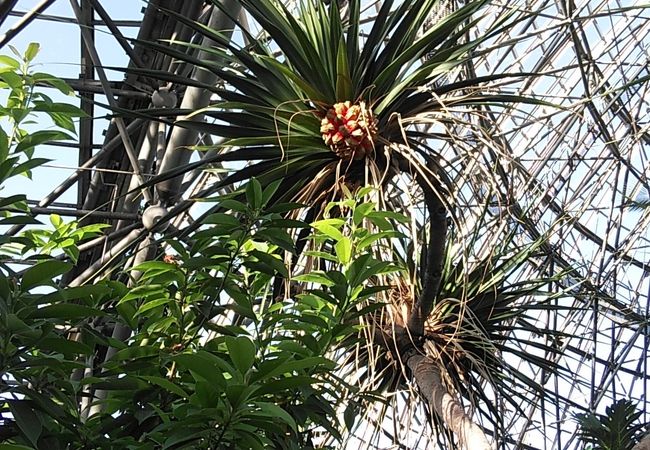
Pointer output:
x,y
349,129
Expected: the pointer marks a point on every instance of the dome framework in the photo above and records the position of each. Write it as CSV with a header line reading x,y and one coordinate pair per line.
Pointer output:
x,y
570,166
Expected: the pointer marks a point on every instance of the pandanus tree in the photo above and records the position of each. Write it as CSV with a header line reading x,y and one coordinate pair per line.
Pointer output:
x,y
322,103
439,291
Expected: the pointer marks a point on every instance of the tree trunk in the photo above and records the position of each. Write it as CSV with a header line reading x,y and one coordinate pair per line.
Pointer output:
x,y
427,376
644,444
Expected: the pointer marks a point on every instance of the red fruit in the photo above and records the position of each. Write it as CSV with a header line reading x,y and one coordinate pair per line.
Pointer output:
x,y
349,130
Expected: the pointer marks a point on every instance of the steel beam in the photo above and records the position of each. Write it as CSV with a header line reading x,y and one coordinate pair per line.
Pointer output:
x,y
178,151
86,124
24,21
5,8
121,126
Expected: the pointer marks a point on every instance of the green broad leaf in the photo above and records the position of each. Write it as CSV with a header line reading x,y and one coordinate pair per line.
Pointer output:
x,y
295,347
361,211
272,411
43,273
57,107
93,337
56,220
65,346
50,363
158,266
330,228
13,324
286,384
337,277
20,220
368,309
316,278
312,319
268,365
234,205
283,207
9,62
40,137
92,229
309,364
254,195
14,447
127,383
6,288
14,81
53,81
369,292
181,435
127,313
7,167
222,219
131,353
203,365
344,250
205,394
148,306
374,237
28,165
27,420
165,384
249,439
44,403
12,200
15,51
66,311
258,267
4,145
269,191
389,215
277,236
144,291
242,352
335,222
32,50
286,223
63,121
316,298
239,394
274,261
350,414
320,255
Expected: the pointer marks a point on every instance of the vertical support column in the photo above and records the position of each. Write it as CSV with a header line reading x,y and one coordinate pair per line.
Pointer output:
x,y
181,140
86,123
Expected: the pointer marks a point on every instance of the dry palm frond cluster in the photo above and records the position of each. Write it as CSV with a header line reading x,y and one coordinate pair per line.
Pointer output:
x,y
453,334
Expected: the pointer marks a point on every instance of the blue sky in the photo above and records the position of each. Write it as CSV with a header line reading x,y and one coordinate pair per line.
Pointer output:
x,y
60,56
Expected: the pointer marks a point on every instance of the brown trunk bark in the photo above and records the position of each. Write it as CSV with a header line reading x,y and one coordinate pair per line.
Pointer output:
x,y
427,376
644,444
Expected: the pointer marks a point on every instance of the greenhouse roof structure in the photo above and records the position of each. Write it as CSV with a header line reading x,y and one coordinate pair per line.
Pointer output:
x,y
571,166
